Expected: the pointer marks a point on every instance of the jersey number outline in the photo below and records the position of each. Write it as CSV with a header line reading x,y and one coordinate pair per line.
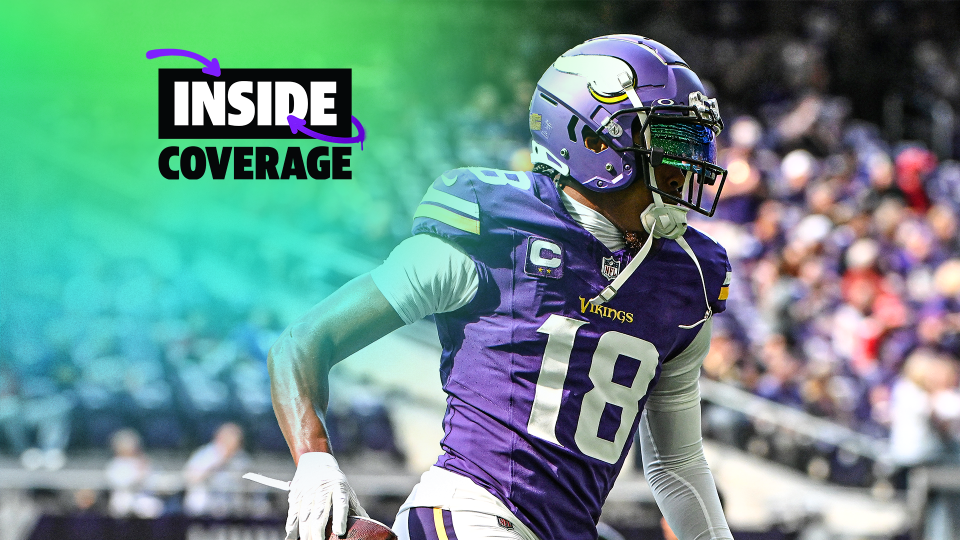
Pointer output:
x,y
561,332
497,177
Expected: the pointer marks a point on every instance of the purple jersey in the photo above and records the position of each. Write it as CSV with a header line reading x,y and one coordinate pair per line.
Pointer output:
x,y
545,390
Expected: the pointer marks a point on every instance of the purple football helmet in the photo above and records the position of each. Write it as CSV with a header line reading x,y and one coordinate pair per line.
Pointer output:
x,y
593,99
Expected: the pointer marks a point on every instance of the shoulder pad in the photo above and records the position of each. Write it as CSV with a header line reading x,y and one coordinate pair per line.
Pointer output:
x,y
451,206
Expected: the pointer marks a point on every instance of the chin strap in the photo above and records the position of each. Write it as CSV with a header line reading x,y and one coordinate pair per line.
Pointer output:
x,y
706,298
665,221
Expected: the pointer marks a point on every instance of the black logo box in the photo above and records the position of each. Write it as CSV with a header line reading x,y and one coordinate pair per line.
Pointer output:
x,y
342,103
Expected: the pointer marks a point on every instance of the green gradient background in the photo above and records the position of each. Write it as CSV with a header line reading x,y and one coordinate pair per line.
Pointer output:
x,y
79,143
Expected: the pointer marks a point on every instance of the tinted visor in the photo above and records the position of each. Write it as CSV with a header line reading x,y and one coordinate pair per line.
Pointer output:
x,y
693,142
692,148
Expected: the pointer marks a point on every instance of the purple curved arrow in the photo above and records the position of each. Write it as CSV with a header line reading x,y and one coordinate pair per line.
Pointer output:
x,y
211,66
297,124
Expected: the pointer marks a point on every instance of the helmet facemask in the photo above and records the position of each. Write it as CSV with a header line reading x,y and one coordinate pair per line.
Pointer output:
x,y
680,136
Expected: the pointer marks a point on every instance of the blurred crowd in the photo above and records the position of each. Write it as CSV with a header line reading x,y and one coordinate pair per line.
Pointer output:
x,y
212,484
95,343
846,282
840,216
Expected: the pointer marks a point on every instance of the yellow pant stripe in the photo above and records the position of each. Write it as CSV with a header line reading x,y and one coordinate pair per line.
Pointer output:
x,y
438,522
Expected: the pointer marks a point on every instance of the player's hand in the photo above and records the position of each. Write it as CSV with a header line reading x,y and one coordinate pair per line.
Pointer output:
x,y
319,492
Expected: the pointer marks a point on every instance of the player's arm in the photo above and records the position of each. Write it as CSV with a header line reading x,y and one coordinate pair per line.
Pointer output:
x,y
423,275
353,317
671,445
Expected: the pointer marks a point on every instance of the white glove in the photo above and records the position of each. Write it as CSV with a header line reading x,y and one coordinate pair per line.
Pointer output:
x,y
318,486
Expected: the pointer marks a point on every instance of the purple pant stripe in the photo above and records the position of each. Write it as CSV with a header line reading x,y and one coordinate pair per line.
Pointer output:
x,y
420,524
448,525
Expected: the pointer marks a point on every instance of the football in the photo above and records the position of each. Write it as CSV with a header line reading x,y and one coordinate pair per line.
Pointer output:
x,y
360,528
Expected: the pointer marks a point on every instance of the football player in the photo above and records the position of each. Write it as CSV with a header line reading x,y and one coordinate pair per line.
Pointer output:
x,y
574,306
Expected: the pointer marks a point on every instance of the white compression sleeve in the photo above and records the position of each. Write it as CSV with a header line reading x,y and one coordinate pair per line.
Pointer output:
x,y
671,444
425,274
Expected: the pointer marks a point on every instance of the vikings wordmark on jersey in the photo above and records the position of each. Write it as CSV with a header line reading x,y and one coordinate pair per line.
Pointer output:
x,y
605,311
545,391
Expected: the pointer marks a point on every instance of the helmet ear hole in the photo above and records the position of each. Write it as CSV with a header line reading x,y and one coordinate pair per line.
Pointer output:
x,y
572,128
592,141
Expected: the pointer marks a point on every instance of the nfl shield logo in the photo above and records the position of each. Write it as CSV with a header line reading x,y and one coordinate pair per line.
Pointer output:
x,y
610,268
